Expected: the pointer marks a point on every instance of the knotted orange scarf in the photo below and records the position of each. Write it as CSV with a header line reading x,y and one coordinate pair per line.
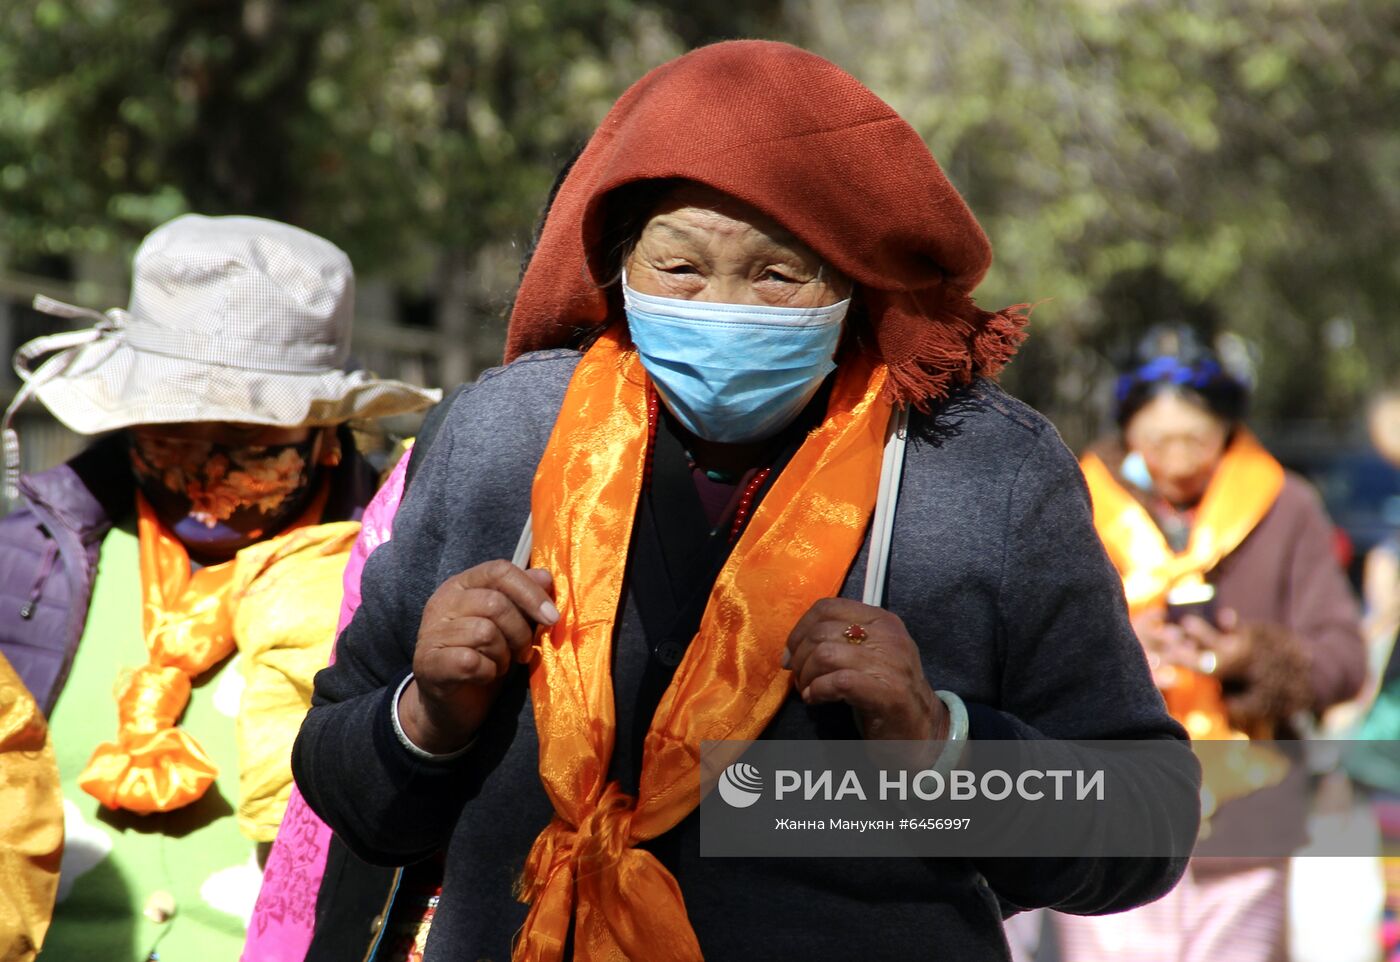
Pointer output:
x,y
797,549
1244,487
154,766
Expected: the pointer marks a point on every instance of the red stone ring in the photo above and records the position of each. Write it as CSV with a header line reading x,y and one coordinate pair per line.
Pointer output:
x,y
855,634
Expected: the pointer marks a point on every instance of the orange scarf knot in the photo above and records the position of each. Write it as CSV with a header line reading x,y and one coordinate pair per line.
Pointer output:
x,y
595,876
151,698
154,766
595,846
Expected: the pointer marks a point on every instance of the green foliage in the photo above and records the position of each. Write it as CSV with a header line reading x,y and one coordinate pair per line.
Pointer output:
x,y
1230,162
394,126
434,124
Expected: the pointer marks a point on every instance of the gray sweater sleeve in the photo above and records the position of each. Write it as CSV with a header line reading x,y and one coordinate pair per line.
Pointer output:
x,y
1072,668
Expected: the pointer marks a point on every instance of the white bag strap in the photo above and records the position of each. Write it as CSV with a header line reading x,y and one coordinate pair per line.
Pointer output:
x,y
881,523
521,558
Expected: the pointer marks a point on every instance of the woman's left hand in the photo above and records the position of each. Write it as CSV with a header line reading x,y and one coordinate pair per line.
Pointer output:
x,y
842,650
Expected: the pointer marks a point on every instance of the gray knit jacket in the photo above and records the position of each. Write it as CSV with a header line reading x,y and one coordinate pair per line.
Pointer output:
x,y
997,573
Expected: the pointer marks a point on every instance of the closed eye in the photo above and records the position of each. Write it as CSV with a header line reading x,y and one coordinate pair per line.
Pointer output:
x,y
680,269
776,275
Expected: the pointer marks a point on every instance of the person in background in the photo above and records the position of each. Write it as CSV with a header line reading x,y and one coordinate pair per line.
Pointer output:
x,y
1380,581
214,513
1374,763
1244,612
754,263
31,821
317,900
1372,758
357,908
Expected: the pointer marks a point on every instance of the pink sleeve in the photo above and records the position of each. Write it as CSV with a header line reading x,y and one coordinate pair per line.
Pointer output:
x,y
376,527
282,921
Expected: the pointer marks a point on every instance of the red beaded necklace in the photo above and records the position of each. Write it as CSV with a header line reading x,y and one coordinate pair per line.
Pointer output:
x,y
651,439
741,514
745,506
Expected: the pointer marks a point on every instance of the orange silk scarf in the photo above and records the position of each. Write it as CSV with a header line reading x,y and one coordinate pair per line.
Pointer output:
x,y
1244,487
153,766
584,866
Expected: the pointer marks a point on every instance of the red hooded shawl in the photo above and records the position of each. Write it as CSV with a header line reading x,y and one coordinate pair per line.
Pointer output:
x,y
804,142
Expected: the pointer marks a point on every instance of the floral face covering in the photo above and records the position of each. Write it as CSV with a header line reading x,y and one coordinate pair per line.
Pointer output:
x,y
219,498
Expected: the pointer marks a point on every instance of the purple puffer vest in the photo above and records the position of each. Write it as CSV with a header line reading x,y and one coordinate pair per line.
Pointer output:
x,y
49,551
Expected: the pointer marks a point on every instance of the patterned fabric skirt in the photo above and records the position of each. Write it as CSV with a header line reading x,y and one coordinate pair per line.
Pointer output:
x,y
1222,911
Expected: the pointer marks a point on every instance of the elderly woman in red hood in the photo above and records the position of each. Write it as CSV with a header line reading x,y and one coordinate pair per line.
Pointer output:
x,y
754,275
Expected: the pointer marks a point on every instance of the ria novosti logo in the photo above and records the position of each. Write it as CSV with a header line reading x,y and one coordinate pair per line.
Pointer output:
x,y
741,784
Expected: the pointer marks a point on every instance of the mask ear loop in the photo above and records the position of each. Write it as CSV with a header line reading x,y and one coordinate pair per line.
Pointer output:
x,y
107,325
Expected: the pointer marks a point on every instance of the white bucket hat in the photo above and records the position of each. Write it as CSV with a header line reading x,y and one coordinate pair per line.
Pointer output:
x,y
235,319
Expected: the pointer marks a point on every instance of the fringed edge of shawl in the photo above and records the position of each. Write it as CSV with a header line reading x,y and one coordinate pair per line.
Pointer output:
x,y
950,350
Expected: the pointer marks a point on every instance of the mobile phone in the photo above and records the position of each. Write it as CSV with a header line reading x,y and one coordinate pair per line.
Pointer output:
x,y
1197,599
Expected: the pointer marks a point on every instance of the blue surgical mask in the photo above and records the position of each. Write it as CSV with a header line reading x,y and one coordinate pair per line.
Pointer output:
x,y
733,373
1134,470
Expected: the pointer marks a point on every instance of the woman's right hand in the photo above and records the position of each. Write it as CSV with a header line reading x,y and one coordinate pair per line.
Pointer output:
x,y
1167,647
474,626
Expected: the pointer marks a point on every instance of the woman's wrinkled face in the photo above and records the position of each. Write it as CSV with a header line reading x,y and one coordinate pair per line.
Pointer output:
x,y
1182,444
703,245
